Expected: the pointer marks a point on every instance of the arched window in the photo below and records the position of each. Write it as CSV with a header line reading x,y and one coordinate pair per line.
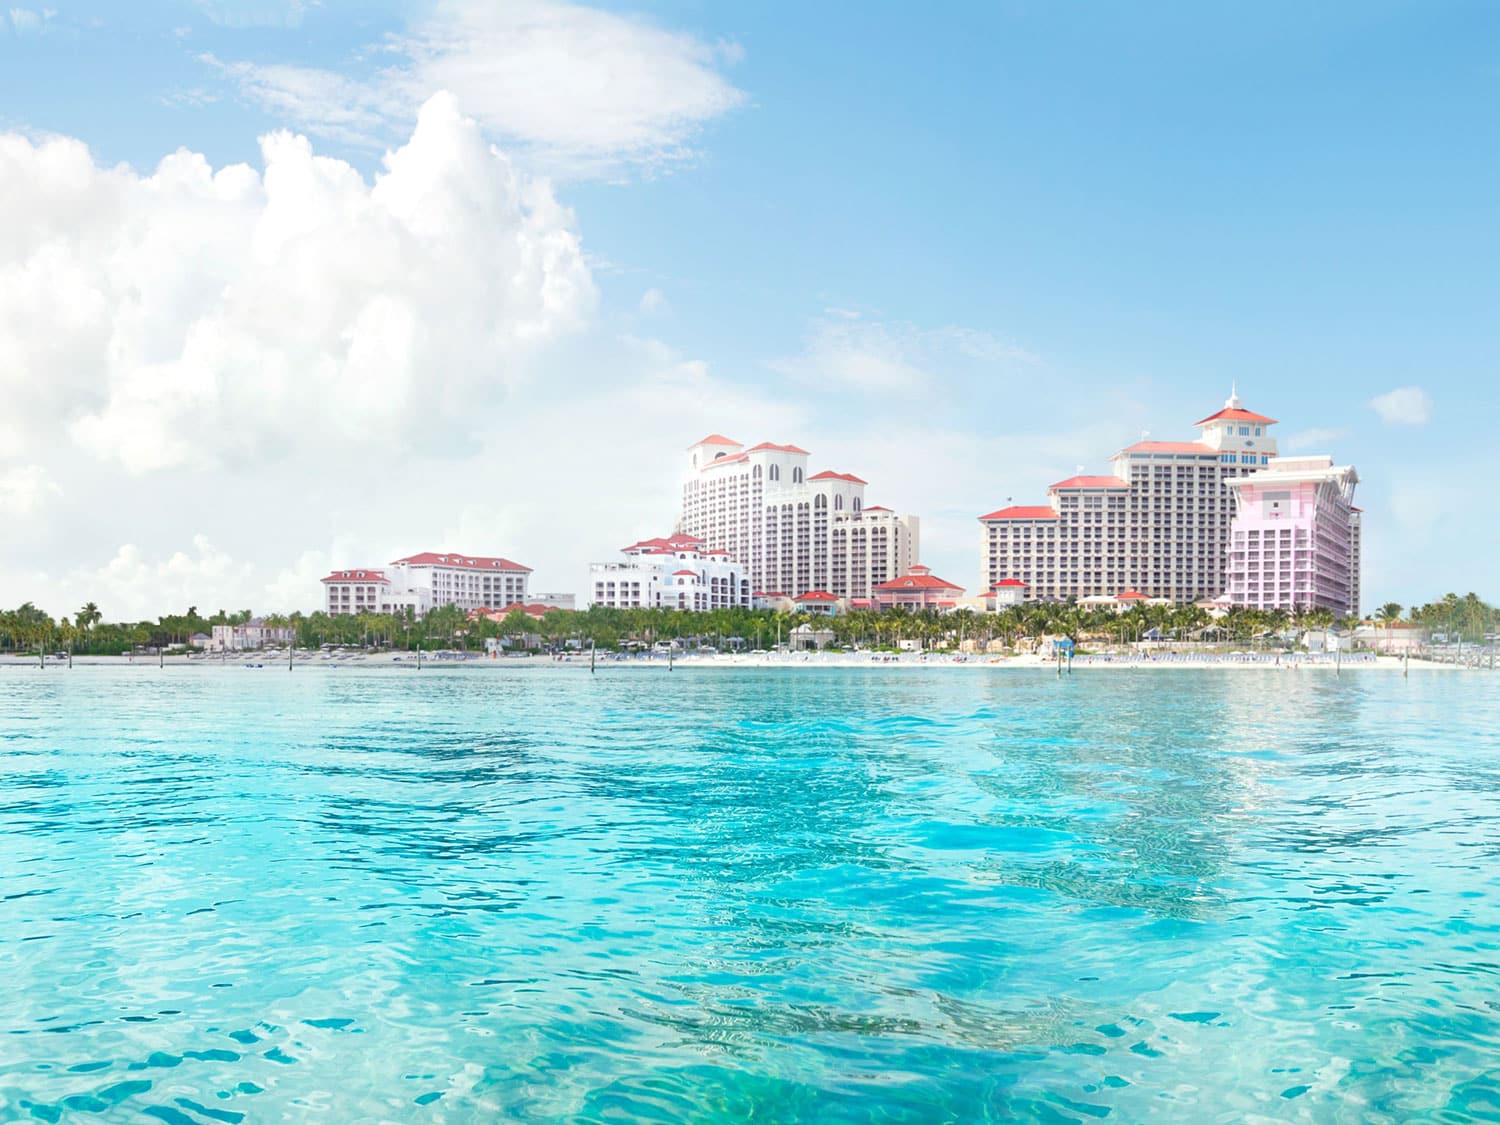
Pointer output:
x,y
820,501
755,472
856,503
775,472
796,476
838,503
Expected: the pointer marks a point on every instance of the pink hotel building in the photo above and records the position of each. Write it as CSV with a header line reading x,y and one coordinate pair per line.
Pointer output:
x,y
1162,522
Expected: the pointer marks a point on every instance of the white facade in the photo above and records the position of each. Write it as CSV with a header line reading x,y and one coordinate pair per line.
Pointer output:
x,y
1158,524
424,581
678,572
254,633
793,530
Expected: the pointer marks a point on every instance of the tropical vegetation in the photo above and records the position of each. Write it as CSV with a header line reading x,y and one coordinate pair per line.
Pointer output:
x,y
29,629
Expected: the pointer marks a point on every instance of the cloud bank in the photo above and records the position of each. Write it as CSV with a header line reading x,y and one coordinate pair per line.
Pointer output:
x,y
196,317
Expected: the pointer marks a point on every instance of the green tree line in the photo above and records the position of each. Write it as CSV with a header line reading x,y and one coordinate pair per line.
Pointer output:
x,y
28,629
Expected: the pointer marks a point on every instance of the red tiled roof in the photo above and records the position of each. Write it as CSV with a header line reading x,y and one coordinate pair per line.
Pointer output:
x,y
829,474
684,574
816,596
1021,512
918,579
1009,582
1169,447
668,543
1090,482
535,609
1131,595
725,460
771,445
462,562
354,576
1235,414
716,439
876,508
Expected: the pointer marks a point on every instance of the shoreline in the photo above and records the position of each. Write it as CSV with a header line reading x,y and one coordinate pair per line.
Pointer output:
x,y
407,662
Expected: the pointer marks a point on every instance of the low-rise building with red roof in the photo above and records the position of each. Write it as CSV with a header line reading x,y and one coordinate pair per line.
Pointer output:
x,y
917,589
424,581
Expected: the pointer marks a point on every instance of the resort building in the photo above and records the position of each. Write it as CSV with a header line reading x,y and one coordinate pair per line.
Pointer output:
x,y
820,603
425,581
1295,537
917,589
253,634
676,572
793,530
1157,524
1002,595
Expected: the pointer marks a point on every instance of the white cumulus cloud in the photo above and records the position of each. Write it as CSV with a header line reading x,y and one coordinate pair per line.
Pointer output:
x,y
196,316
134,585
581,90
25,489
1405,406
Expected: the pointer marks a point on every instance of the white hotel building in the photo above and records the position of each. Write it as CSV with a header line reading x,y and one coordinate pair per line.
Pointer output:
x,y
424,581
793,530
1158,524
677,572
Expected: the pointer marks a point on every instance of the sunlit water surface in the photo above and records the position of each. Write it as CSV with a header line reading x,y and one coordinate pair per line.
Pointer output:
x,y
827,895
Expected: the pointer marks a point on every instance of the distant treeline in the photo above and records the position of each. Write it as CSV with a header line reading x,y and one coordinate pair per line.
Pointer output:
x,y
29,629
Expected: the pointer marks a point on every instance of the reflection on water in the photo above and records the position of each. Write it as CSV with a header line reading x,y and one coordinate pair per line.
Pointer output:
x,y
812,895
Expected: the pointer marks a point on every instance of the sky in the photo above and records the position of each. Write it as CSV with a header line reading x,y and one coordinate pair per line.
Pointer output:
x,y
289,285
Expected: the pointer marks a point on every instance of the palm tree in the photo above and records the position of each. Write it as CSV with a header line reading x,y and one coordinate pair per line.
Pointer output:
x,y
1388,615
86,618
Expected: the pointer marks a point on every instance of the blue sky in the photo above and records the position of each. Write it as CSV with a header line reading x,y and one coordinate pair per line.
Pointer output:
x,y
958,252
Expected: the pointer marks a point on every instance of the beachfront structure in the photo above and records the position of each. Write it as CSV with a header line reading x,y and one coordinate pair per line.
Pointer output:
x,y
1294,541
674,572
425,581
253,634
1005,594
1157,524
820,603
793,530
917,589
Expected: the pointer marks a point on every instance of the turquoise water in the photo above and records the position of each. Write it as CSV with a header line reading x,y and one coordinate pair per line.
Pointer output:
x,y
829,895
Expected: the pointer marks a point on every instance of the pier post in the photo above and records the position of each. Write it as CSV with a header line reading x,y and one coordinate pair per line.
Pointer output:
x,y
419,656
291,651
593,647
70,657
161,656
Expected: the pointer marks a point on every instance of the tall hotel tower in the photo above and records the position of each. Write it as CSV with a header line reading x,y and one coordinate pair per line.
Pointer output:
x,y
793,531
1295,538
1158,525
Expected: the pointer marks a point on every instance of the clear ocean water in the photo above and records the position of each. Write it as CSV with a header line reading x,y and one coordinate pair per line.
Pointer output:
x,y
834,895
